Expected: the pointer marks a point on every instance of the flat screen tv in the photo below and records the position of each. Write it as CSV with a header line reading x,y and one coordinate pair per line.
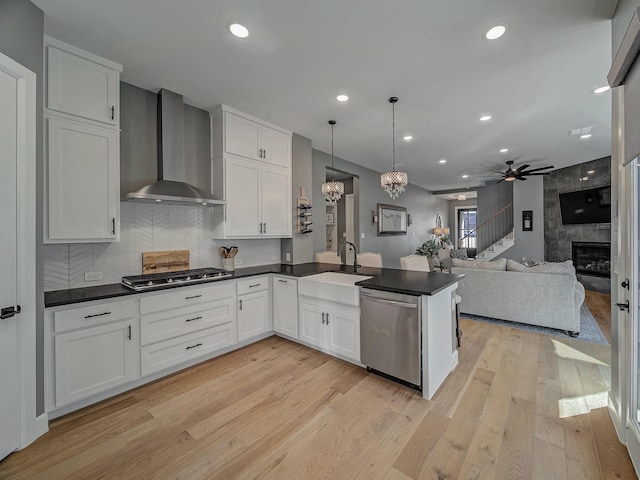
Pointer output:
x,y
586,206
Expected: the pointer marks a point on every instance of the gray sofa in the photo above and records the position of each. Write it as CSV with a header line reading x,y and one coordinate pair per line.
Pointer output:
x,y
531,295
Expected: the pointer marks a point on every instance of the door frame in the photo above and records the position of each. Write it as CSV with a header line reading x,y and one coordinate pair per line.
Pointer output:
x,y
30,426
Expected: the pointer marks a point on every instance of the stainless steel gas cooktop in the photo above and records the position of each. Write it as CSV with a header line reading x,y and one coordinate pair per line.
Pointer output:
x,y
182,277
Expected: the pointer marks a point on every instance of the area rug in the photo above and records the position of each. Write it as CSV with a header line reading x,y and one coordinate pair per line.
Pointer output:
x,y
589,329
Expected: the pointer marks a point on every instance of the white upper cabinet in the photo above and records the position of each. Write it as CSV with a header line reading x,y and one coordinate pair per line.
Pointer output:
x,y
83,175
82,146
247,137
251,170
82,84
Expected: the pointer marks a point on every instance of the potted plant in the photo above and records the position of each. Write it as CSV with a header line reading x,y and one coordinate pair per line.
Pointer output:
x,y
429,249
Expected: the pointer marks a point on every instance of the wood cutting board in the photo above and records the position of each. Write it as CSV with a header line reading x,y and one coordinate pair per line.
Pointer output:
x,y
168,261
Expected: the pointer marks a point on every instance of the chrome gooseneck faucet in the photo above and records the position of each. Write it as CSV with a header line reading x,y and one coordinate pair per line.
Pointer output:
x,y
355,254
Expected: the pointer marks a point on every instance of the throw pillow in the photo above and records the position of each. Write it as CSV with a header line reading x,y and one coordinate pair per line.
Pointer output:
x,y
500,264
556,268
460,253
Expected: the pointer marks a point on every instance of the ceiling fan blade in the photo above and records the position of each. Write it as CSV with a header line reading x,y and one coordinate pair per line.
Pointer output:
x,y
520,178
501,180
523,167
538,169
499,173
539,173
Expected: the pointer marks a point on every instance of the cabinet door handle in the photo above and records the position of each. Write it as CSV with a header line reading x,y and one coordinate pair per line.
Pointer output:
x,y
240,305
129,332
113,226
323,314
97,315
192,319
283,281
327,318
192,297
113,112
193,346
255,285
264,153
260,227
265,227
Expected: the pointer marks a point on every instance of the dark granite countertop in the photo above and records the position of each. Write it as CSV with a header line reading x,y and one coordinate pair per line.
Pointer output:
x,y
387,279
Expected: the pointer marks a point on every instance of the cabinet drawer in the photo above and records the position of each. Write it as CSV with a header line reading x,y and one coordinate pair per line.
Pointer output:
x,y
172,352
165,325
255,284
93,315
182,297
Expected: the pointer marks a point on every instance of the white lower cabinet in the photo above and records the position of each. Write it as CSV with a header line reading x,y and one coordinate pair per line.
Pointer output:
x,y
95,348
182,324
332,327
285,306
254,308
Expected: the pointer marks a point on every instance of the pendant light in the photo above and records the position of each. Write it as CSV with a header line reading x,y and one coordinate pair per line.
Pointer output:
x,y
332,190
393,182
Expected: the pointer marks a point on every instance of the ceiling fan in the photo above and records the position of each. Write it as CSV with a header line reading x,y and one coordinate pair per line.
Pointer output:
x,y
520,173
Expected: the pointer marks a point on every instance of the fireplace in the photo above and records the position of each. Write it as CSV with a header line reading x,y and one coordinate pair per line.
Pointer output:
x,y
592,258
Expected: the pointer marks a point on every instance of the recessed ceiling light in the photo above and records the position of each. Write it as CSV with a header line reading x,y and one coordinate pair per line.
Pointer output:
x,y
485,118
586,135
602,89
495,32
442,160
504,150
591,172
408,138
465,176
239,30
342,98
158,200
584,179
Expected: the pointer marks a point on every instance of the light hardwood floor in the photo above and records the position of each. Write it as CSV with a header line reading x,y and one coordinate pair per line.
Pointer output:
x,y
518,406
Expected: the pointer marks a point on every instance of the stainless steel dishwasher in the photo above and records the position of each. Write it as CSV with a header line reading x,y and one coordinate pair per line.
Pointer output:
x,y
390,340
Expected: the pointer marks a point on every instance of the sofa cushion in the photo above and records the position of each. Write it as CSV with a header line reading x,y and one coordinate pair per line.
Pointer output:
x,y
556,268
500,264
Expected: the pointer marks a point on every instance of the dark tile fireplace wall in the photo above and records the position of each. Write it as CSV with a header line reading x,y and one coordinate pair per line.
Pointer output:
x,y
558,238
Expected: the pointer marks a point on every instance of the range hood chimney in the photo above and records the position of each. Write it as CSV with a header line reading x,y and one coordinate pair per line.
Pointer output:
x,y
171,187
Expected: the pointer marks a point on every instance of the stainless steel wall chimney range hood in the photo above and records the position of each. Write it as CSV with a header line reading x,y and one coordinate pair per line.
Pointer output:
x,y
171,187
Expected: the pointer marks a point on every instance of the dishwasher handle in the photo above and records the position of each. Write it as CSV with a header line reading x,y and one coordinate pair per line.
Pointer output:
x,y
390,302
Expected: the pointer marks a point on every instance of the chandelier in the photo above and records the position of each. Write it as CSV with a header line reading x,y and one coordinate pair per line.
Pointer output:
x,y
332,190
394,182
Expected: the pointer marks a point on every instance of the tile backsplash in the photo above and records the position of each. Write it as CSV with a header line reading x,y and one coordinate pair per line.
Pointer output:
x,y
145,228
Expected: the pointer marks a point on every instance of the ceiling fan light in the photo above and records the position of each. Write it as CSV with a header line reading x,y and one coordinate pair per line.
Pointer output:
x,y
509,179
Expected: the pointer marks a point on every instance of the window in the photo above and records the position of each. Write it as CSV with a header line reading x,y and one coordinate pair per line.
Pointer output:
x,y
466,228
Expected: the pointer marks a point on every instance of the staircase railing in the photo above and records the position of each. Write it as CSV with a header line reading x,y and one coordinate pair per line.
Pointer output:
x,y
494,228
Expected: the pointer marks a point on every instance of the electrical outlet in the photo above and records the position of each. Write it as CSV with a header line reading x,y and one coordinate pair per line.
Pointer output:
x,y
362,235
92,276
288,256
274,258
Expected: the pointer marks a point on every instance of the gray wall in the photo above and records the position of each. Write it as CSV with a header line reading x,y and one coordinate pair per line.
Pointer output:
x,y
558,237
620,22
528,195
21,38
300,247
491,199
420,204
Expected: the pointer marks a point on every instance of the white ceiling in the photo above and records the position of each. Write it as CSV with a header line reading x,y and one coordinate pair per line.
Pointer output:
x,y
535,81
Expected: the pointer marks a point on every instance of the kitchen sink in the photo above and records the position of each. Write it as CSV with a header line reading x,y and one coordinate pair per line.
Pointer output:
x,y
333,286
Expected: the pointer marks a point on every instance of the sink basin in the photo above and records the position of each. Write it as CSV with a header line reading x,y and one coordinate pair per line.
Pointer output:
x,y
333,286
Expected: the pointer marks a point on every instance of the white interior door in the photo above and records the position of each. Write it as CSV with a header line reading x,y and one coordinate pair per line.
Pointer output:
x,y
9,340
630,230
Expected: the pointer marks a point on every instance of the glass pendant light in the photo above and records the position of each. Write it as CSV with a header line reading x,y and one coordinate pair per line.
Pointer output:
x,y
332,190
394,182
